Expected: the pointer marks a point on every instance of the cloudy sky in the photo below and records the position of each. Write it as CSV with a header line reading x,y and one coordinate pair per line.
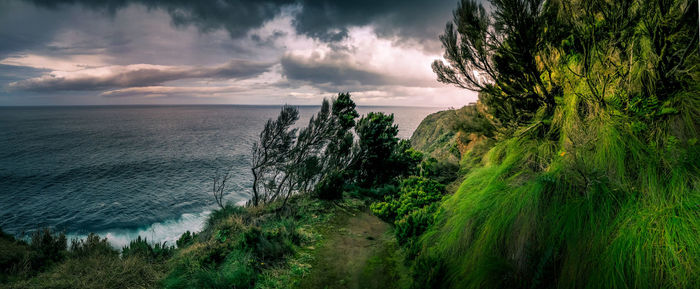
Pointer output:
x,y
65,52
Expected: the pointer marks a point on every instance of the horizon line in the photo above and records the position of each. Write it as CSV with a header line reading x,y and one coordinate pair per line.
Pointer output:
x,y
205,104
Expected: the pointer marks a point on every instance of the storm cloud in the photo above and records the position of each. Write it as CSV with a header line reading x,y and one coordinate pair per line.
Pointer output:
x,y
338,70
158,51
323,19
135,75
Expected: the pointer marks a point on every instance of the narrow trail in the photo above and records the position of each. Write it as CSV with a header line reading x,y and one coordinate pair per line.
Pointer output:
x,y
359,252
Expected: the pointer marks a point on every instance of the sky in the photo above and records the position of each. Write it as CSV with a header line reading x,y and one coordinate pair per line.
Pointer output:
x,y
101,52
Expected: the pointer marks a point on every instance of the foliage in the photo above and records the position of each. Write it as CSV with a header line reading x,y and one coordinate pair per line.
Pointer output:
x,y
97,271
380,156
12,253
472,119
47,246
414,193
234,272
415,222
91,245
493,51
246,244
331,187
595,187
412,208
186,239
440,171
270,245
44,262
302,157
270,151
156,252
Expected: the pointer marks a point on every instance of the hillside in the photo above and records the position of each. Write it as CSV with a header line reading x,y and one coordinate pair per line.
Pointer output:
x,y
436,137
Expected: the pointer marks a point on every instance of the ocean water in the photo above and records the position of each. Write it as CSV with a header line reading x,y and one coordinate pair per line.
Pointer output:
x,y
125,171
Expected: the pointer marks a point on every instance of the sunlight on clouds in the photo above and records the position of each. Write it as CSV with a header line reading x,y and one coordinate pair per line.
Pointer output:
x,y
56,63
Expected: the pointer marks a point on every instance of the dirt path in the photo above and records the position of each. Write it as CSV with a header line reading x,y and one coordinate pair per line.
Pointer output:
x,y
359,252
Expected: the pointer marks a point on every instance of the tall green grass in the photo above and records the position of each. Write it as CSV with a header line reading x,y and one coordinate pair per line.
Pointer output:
x,y
595,205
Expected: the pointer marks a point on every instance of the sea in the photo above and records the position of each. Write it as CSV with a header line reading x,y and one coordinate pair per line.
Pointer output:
x,y
128,171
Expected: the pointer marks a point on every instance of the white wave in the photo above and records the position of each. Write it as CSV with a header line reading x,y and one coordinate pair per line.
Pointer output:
x,y
166,231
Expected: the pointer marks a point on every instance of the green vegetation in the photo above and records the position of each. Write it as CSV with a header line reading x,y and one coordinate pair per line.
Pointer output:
x,y
411,209
47,262
302,176
592,181
577,168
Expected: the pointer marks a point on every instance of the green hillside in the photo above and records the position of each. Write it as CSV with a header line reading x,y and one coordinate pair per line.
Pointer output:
x,y
593,177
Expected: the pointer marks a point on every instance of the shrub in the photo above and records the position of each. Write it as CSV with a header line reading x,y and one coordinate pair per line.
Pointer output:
x,y
272,244
47,247
414,224
332,186
414,193
12,253
225,212
97,271
441,171
234,272
92,245
156,252
186,239
412,209
428,272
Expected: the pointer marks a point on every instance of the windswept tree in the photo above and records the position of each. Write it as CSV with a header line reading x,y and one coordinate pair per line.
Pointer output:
x,y
379,155
287,161
495,52
304,164
270,151
338,152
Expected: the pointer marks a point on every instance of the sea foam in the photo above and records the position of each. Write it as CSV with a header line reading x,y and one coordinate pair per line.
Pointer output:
x,y
168,231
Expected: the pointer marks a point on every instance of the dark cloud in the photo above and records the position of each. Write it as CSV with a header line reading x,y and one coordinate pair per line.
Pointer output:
x,y
415,19
334,69
137,75
236,16
19,34
323,19
337,70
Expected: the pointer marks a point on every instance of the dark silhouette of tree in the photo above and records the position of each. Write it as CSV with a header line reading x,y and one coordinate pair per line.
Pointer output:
x,y
270,151
379,154
287,161
219,186
495,53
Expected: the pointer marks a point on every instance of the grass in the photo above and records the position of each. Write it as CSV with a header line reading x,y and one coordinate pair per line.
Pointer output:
x,y
239,247
254,247
596,207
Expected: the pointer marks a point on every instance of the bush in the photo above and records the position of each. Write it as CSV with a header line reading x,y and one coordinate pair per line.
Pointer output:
x,y
186,239
428,272
412,209
92,245
273,244
441,171
12,253
152,252
235,272
414,193
47,248
97,271
227,211
414,224
332,186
